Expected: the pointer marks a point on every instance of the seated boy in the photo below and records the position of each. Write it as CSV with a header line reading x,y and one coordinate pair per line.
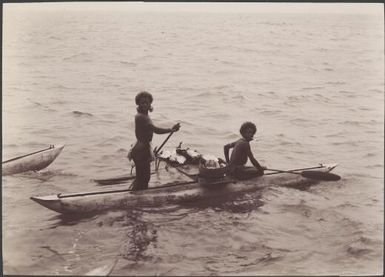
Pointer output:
x,y
241,151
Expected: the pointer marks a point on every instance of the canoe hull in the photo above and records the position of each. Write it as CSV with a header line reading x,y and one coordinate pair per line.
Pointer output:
x,y
172,194
33,162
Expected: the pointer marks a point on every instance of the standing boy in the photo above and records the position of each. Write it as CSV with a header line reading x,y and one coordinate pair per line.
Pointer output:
x,y
141,153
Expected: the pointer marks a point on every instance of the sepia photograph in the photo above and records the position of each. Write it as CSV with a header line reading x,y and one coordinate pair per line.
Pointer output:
x,y
192,139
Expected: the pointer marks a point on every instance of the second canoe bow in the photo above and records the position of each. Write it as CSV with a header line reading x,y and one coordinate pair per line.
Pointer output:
x,y
34,161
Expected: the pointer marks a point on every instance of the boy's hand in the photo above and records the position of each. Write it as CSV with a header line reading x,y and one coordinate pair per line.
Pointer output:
x,y
262,168
176,127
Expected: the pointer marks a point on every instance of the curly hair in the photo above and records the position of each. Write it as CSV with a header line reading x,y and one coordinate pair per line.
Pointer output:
x,y
141,95
247,125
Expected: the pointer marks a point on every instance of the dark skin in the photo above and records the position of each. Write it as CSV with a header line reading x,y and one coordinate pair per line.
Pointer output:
x,y
144,107
144,129
248,135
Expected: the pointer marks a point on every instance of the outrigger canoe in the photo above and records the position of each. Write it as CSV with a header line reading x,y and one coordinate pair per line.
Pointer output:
x,y
34,161
173,193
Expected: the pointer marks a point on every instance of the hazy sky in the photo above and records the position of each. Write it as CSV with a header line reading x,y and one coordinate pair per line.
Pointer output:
x,y
372,8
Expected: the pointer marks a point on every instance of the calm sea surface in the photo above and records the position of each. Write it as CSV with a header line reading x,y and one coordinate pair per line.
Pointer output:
x,y
312,83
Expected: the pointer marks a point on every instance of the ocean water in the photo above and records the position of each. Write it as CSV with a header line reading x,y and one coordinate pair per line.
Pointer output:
x,y
312,82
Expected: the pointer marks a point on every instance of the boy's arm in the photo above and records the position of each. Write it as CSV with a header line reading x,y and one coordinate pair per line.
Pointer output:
x,y
145,121
158,130
254,161
226,149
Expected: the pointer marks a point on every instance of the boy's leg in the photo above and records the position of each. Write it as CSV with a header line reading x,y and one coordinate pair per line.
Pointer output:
x,y
143,173
135,183
146,174
247,172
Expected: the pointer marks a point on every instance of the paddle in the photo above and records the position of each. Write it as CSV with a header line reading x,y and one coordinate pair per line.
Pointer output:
x,y
164,142
321,165
157,150
311,174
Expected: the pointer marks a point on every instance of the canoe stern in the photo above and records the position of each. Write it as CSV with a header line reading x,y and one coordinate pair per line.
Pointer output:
x,y
51,202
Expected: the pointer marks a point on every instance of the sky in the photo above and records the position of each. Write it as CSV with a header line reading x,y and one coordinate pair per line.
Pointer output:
x,y
231,7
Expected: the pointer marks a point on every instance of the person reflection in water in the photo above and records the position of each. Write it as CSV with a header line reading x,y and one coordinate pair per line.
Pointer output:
x,y
142,153
141,238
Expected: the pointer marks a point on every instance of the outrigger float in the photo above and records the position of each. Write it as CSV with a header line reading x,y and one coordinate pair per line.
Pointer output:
x,y
34,161
179,193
